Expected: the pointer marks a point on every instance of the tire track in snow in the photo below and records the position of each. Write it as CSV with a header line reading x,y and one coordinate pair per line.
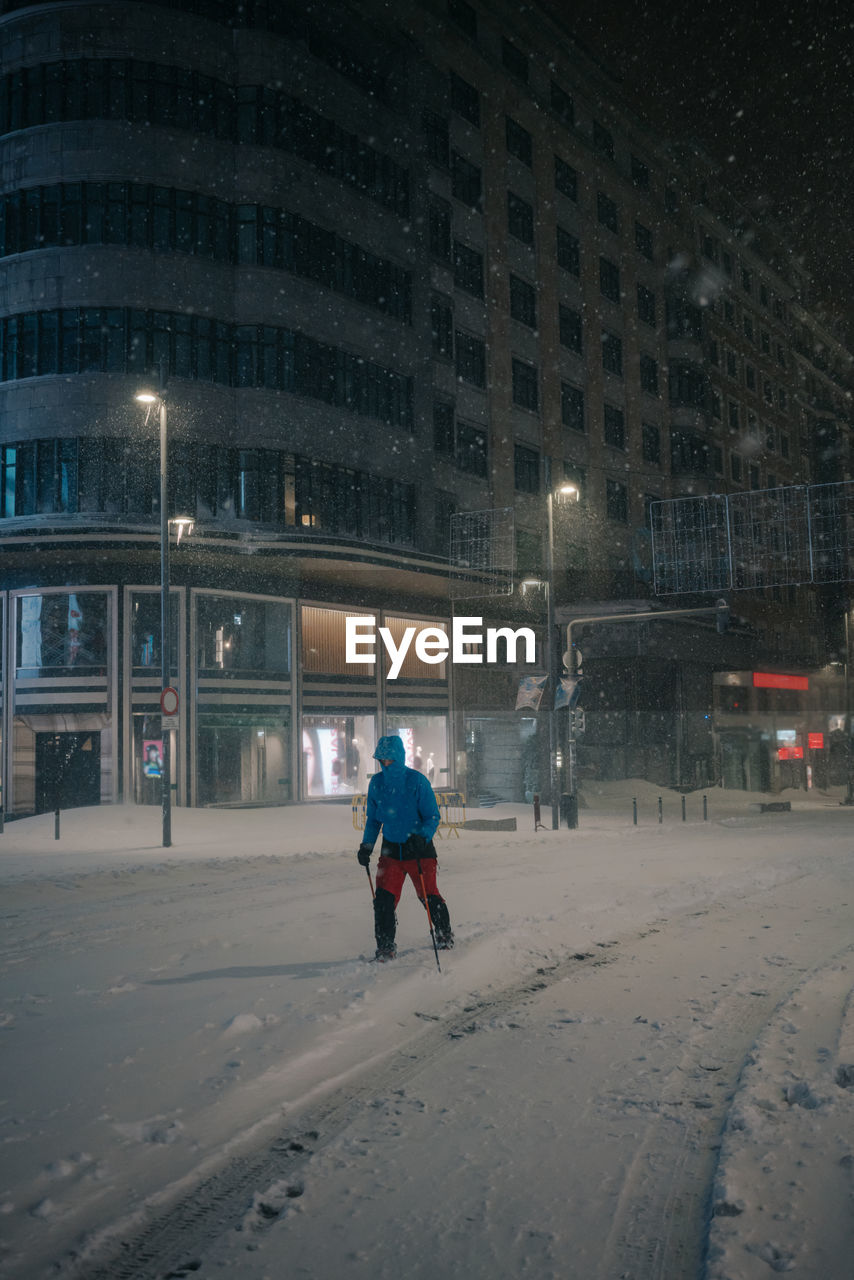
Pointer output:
x,y
664,1204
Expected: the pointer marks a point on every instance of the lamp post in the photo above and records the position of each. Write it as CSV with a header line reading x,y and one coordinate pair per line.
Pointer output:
x,y
159,398
564,490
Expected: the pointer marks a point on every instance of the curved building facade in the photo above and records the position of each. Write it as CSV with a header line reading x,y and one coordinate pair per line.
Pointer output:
x,y
393,265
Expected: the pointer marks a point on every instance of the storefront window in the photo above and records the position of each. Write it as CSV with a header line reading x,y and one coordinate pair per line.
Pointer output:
x,y
324,642
237,634
145,631
425,741
59,632
148,754
337,754
244,757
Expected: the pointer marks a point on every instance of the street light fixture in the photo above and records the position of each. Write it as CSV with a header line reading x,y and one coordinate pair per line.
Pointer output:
x,y
151,398
565,490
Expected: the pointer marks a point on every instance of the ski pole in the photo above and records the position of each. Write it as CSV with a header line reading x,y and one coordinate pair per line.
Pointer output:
x,y
370,882
427,909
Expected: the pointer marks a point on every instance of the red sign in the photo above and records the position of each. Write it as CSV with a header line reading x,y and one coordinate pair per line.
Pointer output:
x,y
815,741
790,753
773,680
169,701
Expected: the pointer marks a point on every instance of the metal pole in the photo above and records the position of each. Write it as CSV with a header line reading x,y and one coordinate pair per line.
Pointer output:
x,y
572,812
849,797
552,683
165,633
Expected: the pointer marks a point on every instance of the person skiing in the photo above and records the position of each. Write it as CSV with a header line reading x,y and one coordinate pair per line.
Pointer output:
x,y
401,803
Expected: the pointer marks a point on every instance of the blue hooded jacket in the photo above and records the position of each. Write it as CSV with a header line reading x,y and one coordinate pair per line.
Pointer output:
x,y
400,800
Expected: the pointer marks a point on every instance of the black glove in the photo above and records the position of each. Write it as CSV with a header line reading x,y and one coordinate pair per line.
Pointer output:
x,y
364,855
417,845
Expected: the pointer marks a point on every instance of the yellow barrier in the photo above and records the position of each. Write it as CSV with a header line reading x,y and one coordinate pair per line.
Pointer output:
x,y
452,811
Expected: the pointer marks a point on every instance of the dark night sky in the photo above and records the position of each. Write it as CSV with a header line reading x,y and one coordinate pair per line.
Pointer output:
x,y
771,86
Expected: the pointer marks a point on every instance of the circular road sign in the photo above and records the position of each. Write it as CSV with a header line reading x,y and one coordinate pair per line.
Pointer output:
x,y
169,701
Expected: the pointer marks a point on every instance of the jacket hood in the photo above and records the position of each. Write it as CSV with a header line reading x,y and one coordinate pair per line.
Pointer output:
x,y
391,748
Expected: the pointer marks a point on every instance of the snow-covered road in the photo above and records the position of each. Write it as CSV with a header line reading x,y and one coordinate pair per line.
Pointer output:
x,y
191,1039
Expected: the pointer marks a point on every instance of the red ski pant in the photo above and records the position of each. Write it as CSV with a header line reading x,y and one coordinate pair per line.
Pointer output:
x,y
392,873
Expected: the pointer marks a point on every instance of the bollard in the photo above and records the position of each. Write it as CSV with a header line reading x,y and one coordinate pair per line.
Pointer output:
x,y
705,808
635,810
660,812
537,822
56,825
683,809
2,819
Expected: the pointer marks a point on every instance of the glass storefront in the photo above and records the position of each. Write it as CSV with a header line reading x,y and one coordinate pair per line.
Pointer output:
x,y
242,634
337,754
145,631
243,757
425,740
148,734
62,633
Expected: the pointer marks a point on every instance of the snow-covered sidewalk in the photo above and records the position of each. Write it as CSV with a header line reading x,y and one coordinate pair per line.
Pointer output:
x,y
163,1010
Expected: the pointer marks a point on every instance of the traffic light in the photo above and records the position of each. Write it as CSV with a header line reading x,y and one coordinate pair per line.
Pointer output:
x,y
721,616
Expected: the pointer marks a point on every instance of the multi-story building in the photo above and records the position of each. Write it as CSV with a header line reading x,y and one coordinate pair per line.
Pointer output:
x,y
397,264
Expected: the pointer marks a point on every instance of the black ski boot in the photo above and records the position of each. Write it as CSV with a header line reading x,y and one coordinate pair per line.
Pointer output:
x,y
441,922
385,925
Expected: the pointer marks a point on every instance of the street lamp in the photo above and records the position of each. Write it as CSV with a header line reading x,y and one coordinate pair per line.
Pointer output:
x,y
151,398
565,490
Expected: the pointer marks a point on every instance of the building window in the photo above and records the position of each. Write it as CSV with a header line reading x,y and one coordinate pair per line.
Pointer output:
x,y
462,13
643,240
649,375
566,179
468,269
570,328
767,391
444,506
718,459
572,406
689,453
439,229
746,280
514,59
616,501
471,449
731,363
470,358
442,326
519,142
606,212
734,411
525,388
568,251
671,200
715,403
562,105
614,427
735,466
465,181
520,218
437,139
443,428
526,469
651,443
603,140
640,174
646,306
747,325
523,302
465,99
609,279
750,377
687,384
612,353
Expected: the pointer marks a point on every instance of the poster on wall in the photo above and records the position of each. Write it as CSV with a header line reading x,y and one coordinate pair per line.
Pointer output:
x,y
152,757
